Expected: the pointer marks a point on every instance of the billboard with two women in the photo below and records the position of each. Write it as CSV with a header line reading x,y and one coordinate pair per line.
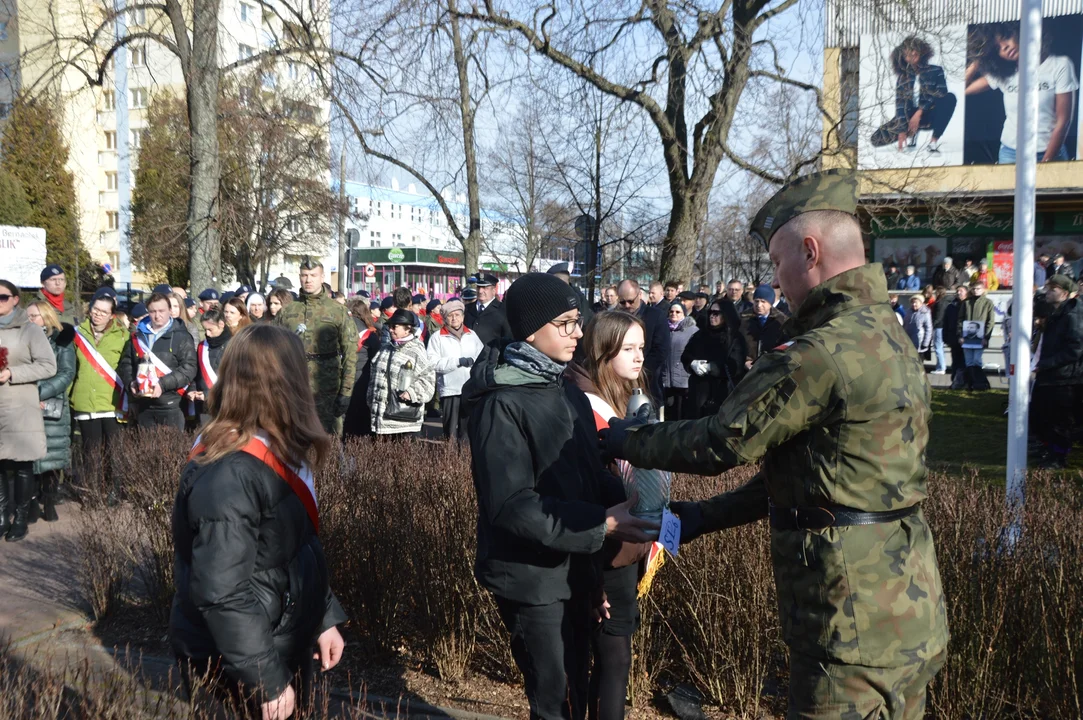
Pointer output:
x,y
950,96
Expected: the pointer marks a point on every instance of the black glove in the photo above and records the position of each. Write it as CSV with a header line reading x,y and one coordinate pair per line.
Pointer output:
x,y
612,438
691,518
342,404
466,362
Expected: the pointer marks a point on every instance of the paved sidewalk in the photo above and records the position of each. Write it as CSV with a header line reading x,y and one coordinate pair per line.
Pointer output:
x,y
40,580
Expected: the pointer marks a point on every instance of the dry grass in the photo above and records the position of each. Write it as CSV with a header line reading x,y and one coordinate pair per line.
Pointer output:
x,y
398,529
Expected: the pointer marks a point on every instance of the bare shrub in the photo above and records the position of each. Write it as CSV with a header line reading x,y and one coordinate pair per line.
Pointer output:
x,y
108,557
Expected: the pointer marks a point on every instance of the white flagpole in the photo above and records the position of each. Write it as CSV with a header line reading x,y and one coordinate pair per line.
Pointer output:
x,y
1026,152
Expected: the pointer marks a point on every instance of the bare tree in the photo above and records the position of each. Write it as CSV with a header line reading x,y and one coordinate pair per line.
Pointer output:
x,y
79,41
670,60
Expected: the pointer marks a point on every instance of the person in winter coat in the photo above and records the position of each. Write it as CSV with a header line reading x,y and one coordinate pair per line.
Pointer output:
x,y
715,359
98,397
612,368
951,333
939,311
403,380
25,358
947,276
164,342
977,308
53,396
909,282
542,492
763,327
53,285
253,595
674,373
919,324
208,357
452,351
1057,403
486,317
986,275
358,420
256,305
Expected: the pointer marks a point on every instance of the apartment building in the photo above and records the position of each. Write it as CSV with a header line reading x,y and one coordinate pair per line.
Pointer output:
x,y
30,56
943,185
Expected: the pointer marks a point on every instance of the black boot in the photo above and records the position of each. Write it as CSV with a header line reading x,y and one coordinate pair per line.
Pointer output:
x,y
5,508
24,489
977,380
49,497
34,514
958,380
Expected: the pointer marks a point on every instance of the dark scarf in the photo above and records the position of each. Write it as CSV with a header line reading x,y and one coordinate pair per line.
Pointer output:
x,y
222,339
524,356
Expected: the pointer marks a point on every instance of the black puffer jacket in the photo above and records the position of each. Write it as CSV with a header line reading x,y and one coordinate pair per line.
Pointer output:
x,y
215,347
1061,359
176,349
252,581
540,482
58,432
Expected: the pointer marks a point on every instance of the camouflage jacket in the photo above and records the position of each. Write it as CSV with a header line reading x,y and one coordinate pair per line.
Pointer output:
x,y
838,416
326,329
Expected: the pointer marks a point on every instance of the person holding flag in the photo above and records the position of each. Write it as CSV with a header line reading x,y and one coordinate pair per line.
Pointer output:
x,y
156,366
99,401
208,356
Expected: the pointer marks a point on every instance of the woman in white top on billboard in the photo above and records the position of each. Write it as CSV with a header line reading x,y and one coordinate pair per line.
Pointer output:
x,y
997,68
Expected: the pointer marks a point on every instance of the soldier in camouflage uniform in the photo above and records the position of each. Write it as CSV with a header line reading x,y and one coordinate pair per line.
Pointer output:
x,y
840,418
330,340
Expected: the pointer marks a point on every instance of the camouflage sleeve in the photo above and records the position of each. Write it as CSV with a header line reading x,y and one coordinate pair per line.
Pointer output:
x,y
784,393
347,338
739,506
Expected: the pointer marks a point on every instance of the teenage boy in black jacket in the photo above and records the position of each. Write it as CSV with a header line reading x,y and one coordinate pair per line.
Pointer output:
x,y
542,494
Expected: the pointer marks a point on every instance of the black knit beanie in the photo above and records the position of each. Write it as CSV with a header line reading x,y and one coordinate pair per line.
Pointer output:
x,y
535,299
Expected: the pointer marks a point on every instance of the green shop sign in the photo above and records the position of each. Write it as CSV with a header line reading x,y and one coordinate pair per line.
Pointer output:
x,y
924,226
1068,223
407,256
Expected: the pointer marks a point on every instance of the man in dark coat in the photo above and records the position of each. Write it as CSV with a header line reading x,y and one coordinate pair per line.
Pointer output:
x,y
892,275
486,317
762,327
656,342
170,348
947,275
562,271
1056,409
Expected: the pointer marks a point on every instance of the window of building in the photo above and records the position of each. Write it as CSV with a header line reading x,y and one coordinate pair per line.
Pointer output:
x,y
101,197
138,56
379,210
110,140
292,68
138,16
294,224
139,98
110,181
5,110
113,217
137,138
248,13
268,80
848,86
109,100
245,51
245,95
3,30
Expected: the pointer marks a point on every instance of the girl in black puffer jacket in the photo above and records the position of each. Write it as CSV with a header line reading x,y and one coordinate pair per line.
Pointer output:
x,y
253,593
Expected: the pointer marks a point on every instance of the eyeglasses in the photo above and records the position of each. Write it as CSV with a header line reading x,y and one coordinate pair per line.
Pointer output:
x,y
5,297
628,303
567,327
98,311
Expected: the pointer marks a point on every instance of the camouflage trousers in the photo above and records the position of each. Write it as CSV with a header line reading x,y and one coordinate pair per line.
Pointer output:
x,y
820,690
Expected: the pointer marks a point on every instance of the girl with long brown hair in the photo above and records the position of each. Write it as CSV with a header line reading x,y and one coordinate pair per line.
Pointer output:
x,y
253,593
610,370
236,315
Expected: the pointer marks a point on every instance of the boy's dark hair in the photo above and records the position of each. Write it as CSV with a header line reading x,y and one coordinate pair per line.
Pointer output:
x,y
403,298
213,315
672,284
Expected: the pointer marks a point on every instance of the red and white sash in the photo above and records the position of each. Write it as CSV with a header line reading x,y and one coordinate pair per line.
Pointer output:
x,y
145,353
299,479
101,366
210,377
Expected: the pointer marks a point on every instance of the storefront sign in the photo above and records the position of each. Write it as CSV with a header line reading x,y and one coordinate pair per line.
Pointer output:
x,y
1070,223
396,255
22,254
924,226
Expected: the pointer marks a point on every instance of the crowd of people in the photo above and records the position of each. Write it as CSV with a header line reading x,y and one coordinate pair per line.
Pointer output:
x,y
537,384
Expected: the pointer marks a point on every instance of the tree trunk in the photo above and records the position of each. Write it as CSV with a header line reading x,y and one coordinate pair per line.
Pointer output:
x,y
204,246
679,248
472,246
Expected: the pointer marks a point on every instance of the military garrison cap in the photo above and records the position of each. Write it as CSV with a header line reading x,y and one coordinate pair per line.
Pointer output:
x,y
311,263
830,190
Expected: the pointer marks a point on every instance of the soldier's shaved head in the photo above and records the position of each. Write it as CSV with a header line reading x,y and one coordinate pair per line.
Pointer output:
x,y
812,248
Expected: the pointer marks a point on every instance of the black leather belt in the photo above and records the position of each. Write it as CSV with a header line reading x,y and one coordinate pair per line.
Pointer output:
x,y
321,356
819,518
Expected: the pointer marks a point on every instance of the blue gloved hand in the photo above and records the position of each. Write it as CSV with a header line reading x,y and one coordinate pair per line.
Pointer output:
x,y
466,361
612,438
691,518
